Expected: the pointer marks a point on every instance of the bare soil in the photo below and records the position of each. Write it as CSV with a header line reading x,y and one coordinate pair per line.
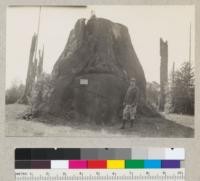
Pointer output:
x,y
170,125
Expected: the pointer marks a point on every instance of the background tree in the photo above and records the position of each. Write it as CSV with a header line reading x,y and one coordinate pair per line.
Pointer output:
x,y
152,91
182,90
14,93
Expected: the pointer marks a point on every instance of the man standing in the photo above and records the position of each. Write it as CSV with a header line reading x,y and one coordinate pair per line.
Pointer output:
x,y
130,103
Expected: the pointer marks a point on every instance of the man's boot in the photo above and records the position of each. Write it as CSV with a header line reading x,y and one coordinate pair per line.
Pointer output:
x,y
132,122
123,125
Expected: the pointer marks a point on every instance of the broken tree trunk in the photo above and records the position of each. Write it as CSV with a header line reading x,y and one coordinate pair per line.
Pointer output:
x,y
40,63
31,72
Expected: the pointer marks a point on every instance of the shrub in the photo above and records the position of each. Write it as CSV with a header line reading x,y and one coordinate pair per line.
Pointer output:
x,y
40,93
14,93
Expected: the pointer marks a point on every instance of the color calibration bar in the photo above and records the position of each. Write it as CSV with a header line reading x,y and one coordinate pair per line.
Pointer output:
x,y
95,158
89,164
100,154
97,164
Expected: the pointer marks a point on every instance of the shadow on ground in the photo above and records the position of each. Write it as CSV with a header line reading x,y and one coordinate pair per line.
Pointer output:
x,y
53,126
143,127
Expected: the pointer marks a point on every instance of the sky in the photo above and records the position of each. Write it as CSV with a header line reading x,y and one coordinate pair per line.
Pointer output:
x,y
146,25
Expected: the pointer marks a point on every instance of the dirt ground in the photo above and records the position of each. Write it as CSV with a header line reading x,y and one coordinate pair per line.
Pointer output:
x,y
171,125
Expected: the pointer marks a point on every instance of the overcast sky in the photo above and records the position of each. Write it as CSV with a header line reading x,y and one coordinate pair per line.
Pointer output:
x,y
146,25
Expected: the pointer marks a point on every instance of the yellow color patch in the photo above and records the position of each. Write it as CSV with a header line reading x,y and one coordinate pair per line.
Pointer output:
x,y
113,164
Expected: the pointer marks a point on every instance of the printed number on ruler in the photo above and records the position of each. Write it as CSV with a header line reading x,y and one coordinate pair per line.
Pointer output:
x,y
105,174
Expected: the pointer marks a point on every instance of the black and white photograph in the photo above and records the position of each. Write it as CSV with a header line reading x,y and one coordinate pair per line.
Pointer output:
x,y
100,71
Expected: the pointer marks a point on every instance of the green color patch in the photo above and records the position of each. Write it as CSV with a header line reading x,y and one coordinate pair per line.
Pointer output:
x,y
134,164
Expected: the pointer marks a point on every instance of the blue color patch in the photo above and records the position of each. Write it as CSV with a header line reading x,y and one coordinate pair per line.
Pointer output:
x,y
152,163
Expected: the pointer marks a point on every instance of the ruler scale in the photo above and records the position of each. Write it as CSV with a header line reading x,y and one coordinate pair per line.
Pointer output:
x,y
89,164
91,174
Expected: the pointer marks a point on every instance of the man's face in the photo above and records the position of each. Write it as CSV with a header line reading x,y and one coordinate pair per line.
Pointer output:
x,y
132,83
